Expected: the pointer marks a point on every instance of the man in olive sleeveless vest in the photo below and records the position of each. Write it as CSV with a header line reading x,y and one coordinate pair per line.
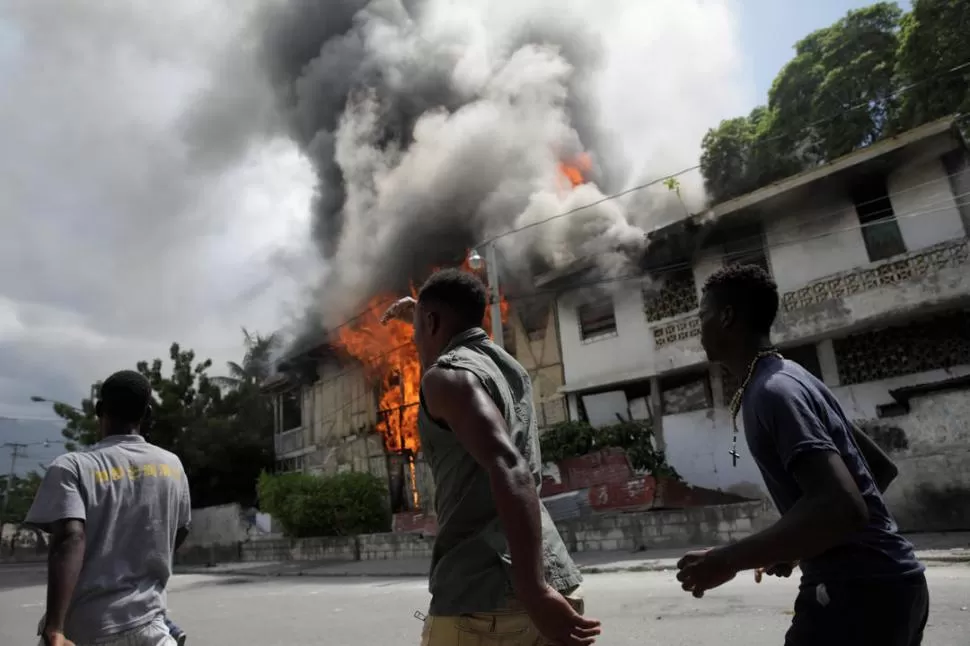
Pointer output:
x,y
499,571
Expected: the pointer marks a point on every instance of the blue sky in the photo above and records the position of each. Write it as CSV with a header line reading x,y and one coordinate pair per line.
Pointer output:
x,y
770,29
82,175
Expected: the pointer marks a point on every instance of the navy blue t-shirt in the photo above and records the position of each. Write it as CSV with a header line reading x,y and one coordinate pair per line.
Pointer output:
x,y
786,412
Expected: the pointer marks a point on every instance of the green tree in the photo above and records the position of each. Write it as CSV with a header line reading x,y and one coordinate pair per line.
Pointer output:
x,y
934,41
744,153
835,70
81,424
836,95
257,363
22,492
245,424
221,428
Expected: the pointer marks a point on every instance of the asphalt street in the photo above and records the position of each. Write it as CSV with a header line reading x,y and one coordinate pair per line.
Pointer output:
x,y
636,608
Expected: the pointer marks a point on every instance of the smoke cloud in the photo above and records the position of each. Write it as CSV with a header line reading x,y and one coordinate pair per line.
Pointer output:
x,y
432,125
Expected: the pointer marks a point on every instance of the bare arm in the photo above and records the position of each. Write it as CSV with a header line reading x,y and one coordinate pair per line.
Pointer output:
x,y
63,568
830,510
400,310
881,466
59,508
458,399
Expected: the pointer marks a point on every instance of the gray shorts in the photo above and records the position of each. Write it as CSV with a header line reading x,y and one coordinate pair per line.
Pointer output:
x,y
152,634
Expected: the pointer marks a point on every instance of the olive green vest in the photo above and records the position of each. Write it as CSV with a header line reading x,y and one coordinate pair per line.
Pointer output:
x,y
470,563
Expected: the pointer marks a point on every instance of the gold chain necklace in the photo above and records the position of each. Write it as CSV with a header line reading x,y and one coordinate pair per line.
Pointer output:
x,y
735,406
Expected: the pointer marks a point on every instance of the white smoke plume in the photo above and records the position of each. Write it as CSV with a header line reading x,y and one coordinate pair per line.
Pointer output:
x,y
435,124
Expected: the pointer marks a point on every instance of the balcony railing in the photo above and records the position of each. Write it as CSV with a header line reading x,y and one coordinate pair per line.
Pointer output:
x,y
952,253
925,262
289,442
674,331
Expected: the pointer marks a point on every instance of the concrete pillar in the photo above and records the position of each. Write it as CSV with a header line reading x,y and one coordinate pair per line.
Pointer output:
x,y
656,410
572,400
828,363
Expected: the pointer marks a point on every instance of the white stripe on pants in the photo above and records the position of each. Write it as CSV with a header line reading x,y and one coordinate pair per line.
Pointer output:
x,y
152,634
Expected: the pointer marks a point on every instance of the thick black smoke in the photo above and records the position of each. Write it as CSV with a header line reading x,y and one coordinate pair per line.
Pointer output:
x,y
432,126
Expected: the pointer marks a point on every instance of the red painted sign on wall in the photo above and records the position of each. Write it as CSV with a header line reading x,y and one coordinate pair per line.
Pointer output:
x,y
635,493
603,467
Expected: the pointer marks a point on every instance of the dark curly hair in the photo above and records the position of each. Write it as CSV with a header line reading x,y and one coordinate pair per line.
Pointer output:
x,y
125,396
748,289
460,291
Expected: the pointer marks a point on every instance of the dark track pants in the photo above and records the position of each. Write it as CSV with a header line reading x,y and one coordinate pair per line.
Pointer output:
x,y
861,613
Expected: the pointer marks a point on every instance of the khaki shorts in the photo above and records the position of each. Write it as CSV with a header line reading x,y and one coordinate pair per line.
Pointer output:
x,y
504,628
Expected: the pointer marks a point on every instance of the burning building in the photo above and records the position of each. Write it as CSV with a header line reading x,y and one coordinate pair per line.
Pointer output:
x,y
431,129
350,401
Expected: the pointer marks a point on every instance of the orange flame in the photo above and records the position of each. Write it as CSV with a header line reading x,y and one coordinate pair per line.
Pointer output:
x,y
576,170
390,361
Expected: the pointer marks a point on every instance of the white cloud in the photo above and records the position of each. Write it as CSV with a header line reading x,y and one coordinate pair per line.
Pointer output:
x,y
121,235
132,215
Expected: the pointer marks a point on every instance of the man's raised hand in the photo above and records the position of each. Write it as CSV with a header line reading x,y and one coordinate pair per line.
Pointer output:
x,y
400,310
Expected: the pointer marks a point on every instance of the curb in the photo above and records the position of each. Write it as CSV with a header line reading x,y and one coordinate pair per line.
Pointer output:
x,y
302,573
639,567
654,566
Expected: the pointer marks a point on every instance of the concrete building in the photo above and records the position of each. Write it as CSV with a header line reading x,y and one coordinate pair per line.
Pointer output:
x,y
872,259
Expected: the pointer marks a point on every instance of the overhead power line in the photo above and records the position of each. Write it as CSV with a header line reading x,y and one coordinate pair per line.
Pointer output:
x,y
674,267
658,180
928,210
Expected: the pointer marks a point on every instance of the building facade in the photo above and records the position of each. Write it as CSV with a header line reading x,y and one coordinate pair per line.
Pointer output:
x,y
328,410
872,261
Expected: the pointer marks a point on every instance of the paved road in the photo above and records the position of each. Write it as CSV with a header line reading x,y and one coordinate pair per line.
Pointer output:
x,y
636,608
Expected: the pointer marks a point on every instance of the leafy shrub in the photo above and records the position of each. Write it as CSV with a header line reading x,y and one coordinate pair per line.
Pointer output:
x,y
338,505
576,439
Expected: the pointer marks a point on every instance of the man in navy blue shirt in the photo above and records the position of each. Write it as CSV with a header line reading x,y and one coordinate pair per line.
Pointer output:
x,y
861,582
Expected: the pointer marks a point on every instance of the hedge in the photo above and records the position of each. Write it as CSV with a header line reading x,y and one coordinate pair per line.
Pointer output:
x,y
339,505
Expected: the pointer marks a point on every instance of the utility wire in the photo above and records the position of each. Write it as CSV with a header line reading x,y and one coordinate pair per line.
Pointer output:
x,y
962,200
808,127
377,308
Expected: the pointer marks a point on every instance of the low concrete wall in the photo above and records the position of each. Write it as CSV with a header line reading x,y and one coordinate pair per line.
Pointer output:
x,y
666,529
226,524
394,546
338,548
209,554
368,547
631,532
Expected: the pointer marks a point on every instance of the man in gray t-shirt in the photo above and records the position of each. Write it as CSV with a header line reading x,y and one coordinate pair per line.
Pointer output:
x,y
117,512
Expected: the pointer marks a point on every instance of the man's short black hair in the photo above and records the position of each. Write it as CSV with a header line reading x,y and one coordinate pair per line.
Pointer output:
x,y
750,290
125,397
460,291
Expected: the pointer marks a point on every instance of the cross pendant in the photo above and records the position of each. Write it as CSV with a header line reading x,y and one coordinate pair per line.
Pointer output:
x,y
734,455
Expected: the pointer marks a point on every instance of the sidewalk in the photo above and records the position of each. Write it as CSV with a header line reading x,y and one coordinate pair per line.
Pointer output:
x,y
932,549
